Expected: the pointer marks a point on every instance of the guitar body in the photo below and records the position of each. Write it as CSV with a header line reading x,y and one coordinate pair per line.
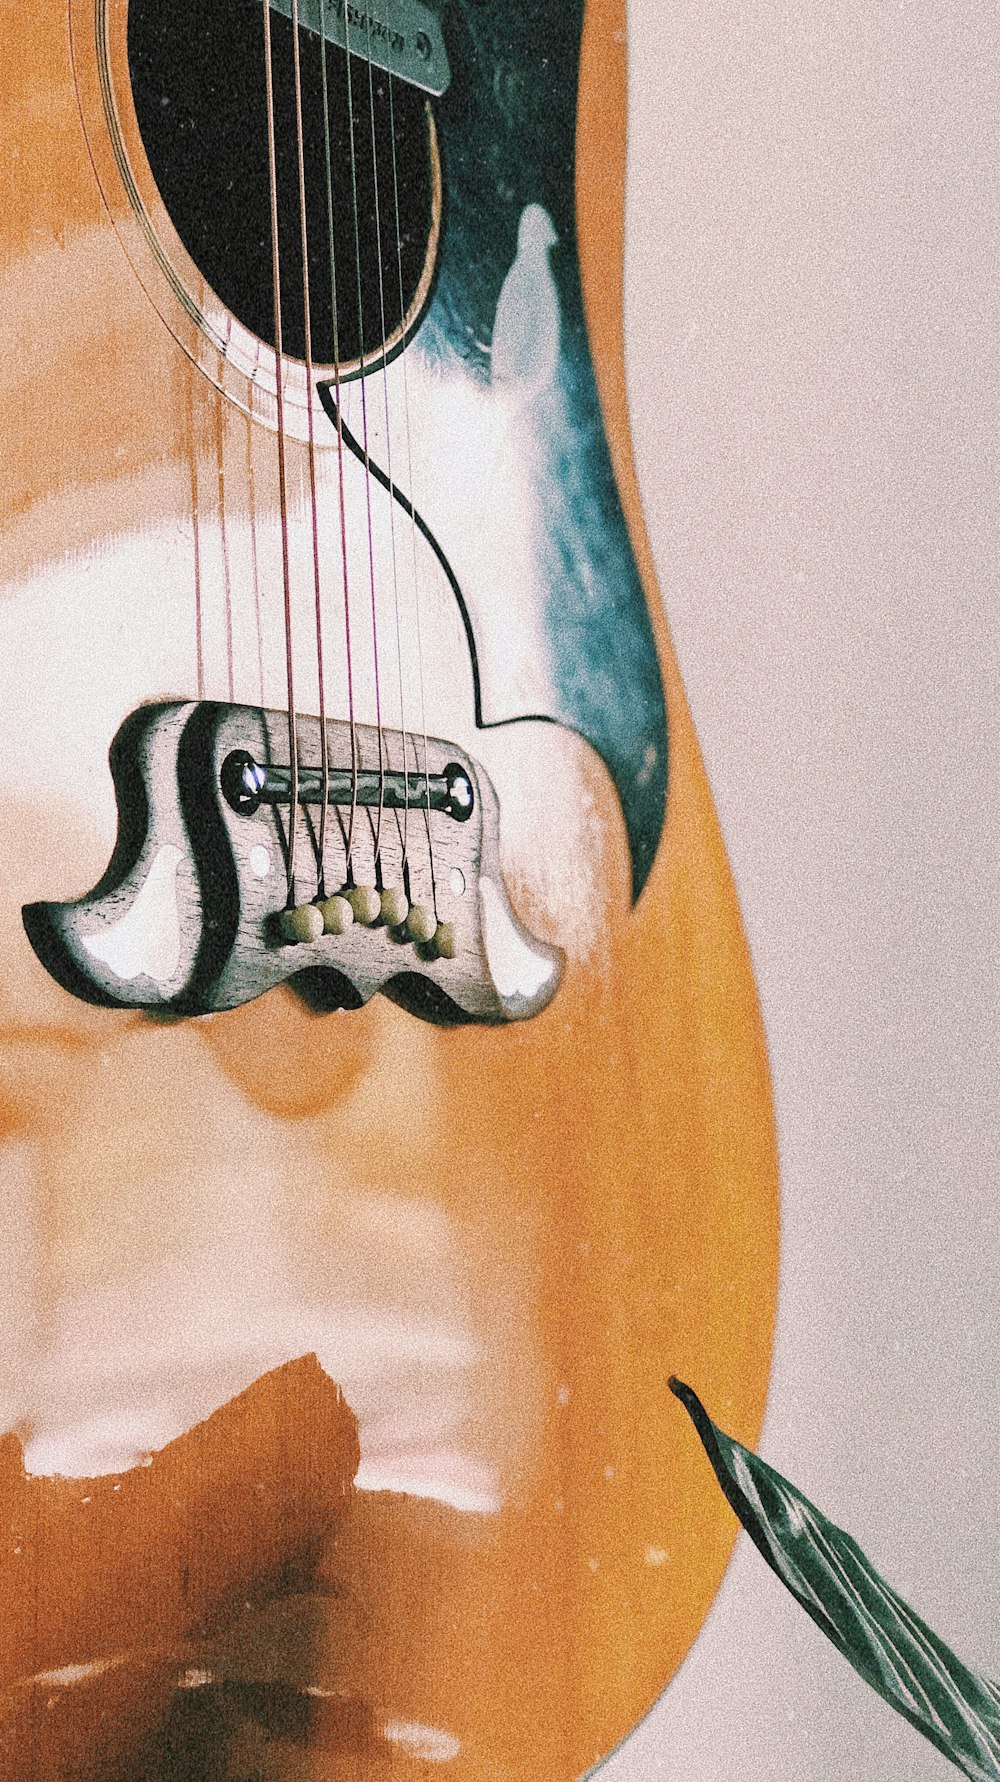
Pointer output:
x,y
500,1209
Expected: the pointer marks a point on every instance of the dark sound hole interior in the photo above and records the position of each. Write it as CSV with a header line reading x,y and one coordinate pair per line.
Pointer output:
x,y
198,80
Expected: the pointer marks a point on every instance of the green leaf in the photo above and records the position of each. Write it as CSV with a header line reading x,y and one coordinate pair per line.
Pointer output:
x,y
886,1642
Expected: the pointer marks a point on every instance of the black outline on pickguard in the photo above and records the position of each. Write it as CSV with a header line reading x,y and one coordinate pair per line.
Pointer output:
x,y
325,392
367,462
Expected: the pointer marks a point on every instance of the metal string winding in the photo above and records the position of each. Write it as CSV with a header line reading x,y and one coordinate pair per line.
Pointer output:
x,y
227,577
293,737
404,829
254,564
404,357
311,448
365,449
196,538
349,844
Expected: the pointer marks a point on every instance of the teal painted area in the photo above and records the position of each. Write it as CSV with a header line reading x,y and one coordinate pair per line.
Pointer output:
x,y
507,129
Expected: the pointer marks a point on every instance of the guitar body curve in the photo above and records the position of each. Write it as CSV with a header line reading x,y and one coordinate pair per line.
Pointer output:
x,y
499,1240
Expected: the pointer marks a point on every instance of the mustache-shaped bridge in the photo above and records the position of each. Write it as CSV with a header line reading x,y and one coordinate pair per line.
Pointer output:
x,y
193,913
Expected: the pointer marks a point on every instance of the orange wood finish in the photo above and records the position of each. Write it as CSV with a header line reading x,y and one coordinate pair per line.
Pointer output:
x,y
589,1201
290,1430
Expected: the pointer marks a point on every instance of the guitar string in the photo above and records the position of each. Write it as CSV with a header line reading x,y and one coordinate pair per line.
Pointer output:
x,y
293,739
227,579
402,829
365,448
254,563
199,619
311,453
342,500
404,360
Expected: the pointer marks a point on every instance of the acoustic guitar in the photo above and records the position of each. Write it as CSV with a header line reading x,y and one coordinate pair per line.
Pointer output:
x,y
385,1104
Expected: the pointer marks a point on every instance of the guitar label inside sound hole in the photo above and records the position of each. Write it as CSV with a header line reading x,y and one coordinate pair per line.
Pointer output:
x,y
198,82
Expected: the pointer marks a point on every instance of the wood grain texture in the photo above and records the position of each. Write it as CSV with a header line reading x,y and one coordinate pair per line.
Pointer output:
x,y
116,1588
499,1243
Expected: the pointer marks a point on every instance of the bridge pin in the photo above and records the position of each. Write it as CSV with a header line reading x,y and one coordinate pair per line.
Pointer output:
x,y
337,914
444,940
366,904
300,925
395,907
420,924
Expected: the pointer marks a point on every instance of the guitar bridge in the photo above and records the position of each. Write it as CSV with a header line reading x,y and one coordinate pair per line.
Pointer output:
x,y
399,890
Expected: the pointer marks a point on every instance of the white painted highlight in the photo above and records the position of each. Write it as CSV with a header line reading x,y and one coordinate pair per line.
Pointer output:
x,y
525,349
146,941
516,969
428,1743
260,861
69,1675
445,1476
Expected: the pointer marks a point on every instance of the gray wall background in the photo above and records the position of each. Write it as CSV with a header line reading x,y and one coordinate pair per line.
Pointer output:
x,y
812,327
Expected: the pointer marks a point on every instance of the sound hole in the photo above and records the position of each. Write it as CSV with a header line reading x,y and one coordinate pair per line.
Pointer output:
x,y
198,81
